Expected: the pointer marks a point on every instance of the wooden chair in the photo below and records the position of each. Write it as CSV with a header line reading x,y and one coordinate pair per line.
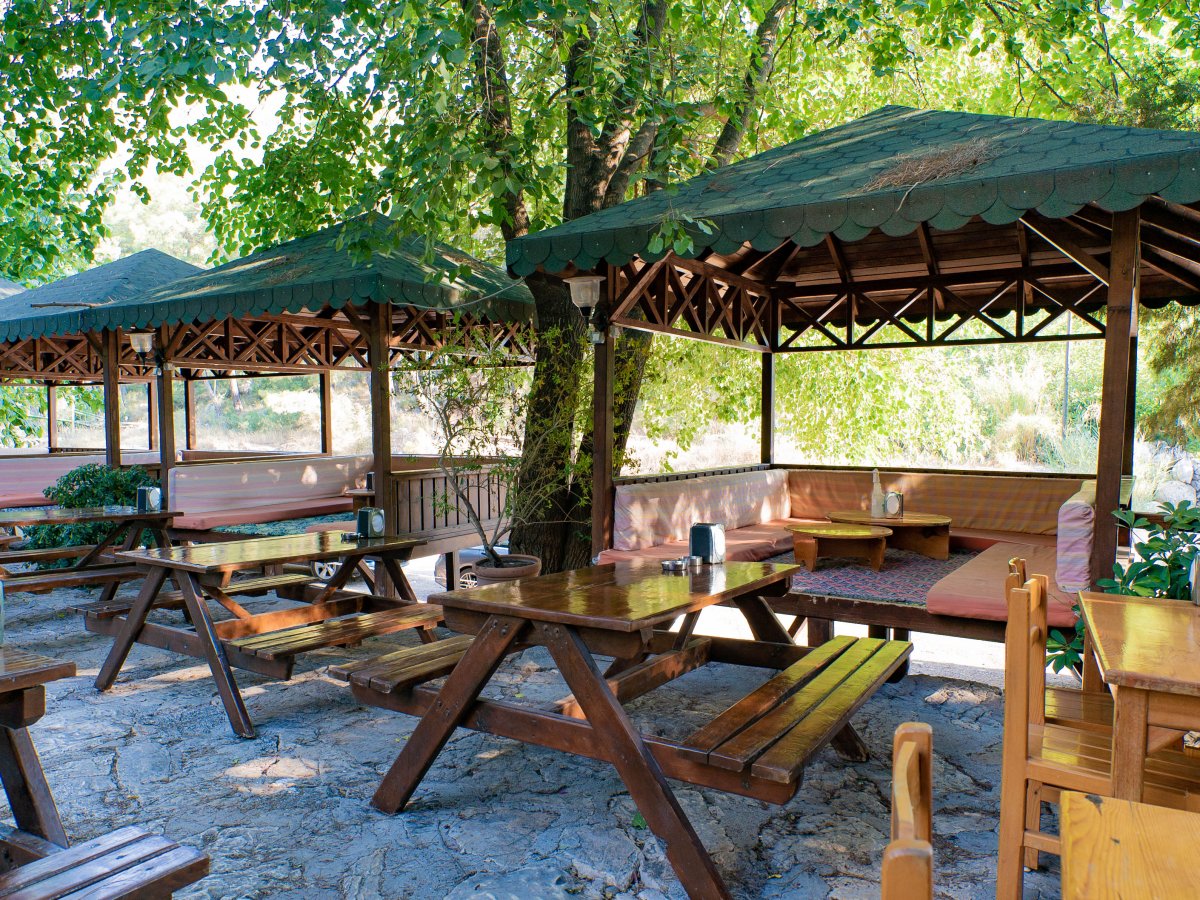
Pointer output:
x,y
1040,759
908,859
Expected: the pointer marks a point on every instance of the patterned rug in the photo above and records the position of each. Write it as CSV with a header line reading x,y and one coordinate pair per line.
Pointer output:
x,y
906,577
284,526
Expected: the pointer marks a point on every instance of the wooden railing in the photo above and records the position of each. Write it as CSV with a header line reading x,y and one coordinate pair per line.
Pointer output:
x,y
684,476
427,507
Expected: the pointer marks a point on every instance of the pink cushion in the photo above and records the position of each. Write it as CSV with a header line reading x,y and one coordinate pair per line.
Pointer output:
x,y
1006,503
15,501
982,538
753,543
976,590
1076,527
24,478
659,512
269,513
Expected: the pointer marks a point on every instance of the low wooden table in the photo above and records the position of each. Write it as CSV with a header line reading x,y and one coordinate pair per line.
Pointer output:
x,y
23,677
1148,652
757,748
812,542
266,643
1114,849
924,533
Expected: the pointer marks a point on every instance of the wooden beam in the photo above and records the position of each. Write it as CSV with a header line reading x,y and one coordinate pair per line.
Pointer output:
x,y
1054,235
767,413
379,323
326,388
1182,220
603,421
151,414
1119,347
110,358
165,399
189,413
52,417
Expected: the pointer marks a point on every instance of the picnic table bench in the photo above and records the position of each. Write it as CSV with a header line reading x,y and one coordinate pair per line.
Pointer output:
x,y
757,748
96,564
36,861
267,642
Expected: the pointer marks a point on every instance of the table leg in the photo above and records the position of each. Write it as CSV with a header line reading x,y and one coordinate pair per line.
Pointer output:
x,y
214,652
130,542
624,747
104,543
1130,725
462,687
128,635
1093,681
338,581
396,572
764,624
25,784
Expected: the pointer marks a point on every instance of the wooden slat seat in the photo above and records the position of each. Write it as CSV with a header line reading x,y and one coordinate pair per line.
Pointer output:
x,y
775,730
334,632
403,669
110,609
41,582
128,862
45,554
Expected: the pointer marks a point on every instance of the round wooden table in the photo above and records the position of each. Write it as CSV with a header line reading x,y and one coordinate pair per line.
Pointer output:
x,y
811,542
924,533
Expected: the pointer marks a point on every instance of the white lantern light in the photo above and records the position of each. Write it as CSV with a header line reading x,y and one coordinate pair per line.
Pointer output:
x,y
142,343
585,292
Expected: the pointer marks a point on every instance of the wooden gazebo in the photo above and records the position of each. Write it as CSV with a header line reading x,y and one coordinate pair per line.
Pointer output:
x,y
904,228
352,296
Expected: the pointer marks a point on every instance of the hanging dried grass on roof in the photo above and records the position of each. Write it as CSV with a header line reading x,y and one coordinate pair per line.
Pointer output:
x,y
912,169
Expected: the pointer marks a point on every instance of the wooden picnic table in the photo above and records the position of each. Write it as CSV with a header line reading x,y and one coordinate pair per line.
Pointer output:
x,y
1148,652
925,533
1114,849
757,748
23,677
95,564
268,642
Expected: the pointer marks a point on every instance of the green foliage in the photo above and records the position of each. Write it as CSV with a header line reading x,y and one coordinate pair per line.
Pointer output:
x,y
22,415
1160,567
87,486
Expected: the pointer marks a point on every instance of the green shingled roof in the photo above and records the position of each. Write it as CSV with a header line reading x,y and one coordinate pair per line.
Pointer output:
x,y
820,184
64,306
307,273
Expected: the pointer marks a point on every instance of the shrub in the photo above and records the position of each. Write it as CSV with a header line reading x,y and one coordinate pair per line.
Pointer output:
x,y
90,485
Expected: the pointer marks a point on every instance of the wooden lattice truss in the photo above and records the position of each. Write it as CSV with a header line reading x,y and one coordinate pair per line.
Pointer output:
x,y
281,343
924,289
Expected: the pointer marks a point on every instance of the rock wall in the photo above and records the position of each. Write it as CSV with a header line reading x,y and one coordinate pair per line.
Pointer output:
x,y
1165,473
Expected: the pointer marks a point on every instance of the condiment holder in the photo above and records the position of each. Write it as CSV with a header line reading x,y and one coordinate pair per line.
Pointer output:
x,y
682,565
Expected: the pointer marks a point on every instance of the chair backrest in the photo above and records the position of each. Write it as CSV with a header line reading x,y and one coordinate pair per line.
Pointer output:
x,y
908,859
1024,655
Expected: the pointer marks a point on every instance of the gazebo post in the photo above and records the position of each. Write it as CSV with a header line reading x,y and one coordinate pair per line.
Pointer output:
x,y
165,396
379,332
189,413
326,386
151,414
602,444
1116,410
51,416
110,358
768,409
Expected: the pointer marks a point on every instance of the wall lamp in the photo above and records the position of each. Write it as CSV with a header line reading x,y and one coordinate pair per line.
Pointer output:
x,y
585,294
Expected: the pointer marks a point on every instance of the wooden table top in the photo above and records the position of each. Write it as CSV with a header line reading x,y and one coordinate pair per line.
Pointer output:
x,y
841,530
20,669
58,515
1144,642
623,597
1119,849
232,556
908,520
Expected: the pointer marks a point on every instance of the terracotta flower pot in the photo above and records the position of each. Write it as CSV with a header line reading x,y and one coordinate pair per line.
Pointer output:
x,y
515,566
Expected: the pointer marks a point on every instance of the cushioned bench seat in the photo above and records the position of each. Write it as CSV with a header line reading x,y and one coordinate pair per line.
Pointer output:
x,y
750,543
253,515
976,590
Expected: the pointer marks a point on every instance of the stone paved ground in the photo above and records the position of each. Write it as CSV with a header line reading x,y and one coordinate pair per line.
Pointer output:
x,y
286,815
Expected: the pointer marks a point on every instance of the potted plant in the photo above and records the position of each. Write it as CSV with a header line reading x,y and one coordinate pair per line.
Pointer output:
x,y
1160,566
478,397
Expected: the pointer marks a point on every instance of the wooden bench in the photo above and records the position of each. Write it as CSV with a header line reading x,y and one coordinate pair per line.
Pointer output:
x,y
406,668
337,631
41,582
773,731
129,862
110,609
